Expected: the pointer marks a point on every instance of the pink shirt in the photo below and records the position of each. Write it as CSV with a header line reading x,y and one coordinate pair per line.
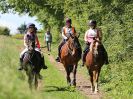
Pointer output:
x,y
90,34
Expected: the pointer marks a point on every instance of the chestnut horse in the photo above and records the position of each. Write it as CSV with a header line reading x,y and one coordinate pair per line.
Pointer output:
x,y
70,55
94,62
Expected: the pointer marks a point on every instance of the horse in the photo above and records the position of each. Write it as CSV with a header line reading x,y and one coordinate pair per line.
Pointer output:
x,y
70,55
32,64
94,62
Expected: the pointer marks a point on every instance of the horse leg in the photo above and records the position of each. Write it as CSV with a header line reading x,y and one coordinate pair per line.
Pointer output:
x,y
30,79
91,79
36,81
68,76
96,81
74,75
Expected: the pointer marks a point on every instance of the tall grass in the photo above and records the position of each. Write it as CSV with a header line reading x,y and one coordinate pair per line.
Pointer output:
x,y
13,83
116,79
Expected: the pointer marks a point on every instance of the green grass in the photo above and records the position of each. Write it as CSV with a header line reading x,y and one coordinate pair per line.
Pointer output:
x,y
116,79
13,84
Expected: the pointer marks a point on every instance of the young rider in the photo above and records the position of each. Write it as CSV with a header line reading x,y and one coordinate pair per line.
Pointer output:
x,y
93,32
66,31
31,34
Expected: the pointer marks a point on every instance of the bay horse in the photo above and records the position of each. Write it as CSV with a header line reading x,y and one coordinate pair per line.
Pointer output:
x,y
94,62
32,64
70,55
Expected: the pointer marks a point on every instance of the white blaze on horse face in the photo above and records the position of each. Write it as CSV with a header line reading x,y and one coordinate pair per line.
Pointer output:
x,y
71,47
30,46
95,48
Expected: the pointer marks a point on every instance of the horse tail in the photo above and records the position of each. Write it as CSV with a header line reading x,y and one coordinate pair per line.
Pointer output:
x,y
70,68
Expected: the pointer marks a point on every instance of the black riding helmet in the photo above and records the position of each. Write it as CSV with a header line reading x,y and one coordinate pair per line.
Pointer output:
x,y
68,20
92,23
31,25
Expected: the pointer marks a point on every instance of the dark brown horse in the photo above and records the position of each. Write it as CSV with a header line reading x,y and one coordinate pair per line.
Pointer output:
x,y
32,64
94,62
70,55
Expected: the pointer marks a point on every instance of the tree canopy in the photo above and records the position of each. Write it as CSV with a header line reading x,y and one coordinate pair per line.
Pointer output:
x,y
22,28
113,16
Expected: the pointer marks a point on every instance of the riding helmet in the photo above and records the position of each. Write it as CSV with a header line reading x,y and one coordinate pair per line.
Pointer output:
x,y
92,23
68,20
30,25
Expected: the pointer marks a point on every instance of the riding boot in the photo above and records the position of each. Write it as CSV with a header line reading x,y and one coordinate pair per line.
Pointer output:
x,y
21,62
105,55
86,49
83,59
58,57
43,63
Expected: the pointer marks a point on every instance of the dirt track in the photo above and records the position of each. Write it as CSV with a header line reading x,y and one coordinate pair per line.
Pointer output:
x,y
83,84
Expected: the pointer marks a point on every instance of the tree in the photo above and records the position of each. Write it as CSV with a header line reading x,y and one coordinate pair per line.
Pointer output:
x,y
113,16
22,28
4,31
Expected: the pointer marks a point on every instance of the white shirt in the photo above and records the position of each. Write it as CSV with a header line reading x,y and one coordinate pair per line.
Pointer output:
x,y
68,32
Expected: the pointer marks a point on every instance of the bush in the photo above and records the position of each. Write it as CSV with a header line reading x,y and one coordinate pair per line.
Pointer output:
x,y
4,31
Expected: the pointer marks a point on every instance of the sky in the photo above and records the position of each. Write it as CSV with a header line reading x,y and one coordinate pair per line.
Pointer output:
x,y
13,21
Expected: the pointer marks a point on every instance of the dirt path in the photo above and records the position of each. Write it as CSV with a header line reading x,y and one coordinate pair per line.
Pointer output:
x,y
83,84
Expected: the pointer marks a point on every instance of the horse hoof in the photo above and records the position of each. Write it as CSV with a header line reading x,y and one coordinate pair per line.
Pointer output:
x,y
92,91
95,92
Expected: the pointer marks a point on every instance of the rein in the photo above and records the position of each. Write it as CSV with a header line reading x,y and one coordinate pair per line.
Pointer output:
x,y
70,50
30,57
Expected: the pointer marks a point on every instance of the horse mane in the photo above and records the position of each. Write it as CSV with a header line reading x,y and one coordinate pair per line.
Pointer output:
x,y
74,45
95,54
75,41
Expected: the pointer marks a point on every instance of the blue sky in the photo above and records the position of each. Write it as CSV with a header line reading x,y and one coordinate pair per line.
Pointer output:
x,y
12,21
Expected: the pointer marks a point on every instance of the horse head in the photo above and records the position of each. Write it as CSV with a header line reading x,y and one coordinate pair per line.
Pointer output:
x,y
73,43
31,45
94,46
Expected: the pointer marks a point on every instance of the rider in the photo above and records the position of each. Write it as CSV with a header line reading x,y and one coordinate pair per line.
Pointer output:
x,y
89,35
31,34
66,31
